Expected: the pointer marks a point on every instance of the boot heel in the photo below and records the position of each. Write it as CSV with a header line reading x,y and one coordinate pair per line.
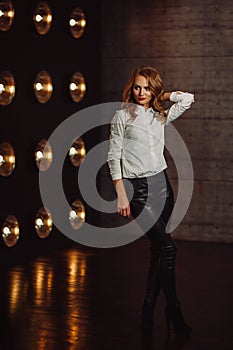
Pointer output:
x,y
174,316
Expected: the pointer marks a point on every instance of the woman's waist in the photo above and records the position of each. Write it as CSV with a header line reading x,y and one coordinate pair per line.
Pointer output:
x,y
145,176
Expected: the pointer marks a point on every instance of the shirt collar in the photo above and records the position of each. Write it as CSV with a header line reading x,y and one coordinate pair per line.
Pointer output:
x,y
142,109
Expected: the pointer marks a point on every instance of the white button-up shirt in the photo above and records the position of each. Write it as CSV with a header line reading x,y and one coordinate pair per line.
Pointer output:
x,y
137,144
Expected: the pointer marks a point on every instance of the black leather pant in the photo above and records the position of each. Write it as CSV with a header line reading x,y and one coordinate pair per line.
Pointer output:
x,y
154,195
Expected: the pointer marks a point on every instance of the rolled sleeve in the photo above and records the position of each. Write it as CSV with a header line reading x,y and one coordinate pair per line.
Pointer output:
x,y
182,102
115,169
117,130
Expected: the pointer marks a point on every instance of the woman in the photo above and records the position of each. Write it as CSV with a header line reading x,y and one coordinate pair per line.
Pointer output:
x,y
136,154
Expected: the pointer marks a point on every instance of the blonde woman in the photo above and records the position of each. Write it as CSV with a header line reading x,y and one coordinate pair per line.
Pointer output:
x,y
136,154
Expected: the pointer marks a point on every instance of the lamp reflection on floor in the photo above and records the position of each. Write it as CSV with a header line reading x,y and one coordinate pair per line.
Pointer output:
x,y
16,289
44,302
76,278
43,283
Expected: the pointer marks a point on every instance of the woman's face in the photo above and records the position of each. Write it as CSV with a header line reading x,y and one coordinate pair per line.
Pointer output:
x,y
141,91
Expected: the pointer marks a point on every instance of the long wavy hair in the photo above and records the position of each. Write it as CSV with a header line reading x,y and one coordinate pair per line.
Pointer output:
x,y
155,84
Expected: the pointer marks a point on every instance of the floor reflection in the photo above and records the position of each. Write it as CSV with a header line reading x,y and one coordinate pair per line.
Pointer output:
x,y
76,278
43,300
91,299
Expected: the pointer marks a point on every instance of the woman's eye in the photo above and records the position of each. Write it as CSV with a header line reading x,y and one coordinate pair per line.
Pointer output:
x,y
147,88
136,87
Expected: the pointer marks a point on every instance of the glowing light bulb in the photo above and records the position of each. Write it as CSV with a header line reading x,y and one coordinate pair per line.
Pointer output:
x,y
39,222
11,159
72,22
73,87
12,89
73,214
10,14
83,151
49,87
39,155
39,18
6,230
43,223
82,23
2,88
83,87
72,151
7,84
49,18
82,215
7,158
49,156
39,86
49,222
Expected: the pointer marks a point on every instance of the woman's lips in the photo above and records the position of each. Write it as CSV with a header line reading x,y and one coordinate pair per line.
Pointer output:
x,y
141,98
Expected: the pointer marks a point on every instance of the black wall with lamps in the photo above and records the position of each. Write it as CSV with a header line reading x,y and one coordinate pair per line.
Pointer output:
x,y
25,121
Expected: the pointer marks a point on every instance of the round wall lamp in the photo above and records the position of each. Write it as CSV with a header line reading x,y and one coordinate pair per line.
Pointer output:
x,y
7,159
77,214
43,222
10,231
43,87
7,14
77,22
43,155
42,18
77,152
77,87
7,88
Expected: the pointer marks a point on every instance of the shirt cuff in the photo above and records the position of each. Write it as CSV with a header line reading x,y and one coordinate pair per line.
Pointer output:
x,y
183,97
116,177
174,96
115,169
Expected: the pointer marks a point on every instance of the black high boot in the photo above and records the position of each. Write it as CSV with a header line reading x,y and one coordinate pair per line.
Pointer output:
x,y
152,292
174,316
173,312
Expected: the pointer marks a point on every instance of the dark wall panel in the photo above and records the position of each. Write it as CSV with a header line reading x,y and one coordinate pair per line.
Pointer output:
x,y
24,122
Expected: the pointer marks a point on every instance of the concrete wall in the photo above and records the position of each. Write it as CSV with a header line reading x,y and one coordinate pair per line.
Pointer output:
x,y
191,44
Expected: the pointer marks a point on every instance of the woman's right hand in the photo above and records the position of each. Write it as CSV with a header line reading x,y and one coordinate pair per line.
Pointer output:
x,y
123,206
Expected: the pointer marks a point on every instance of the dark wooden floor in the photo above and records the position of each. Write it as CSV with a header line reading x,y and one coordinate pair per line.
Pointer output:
x,y
90,299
